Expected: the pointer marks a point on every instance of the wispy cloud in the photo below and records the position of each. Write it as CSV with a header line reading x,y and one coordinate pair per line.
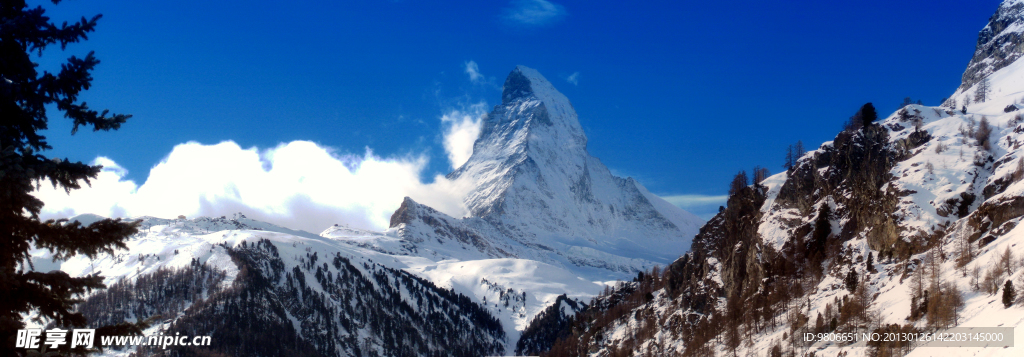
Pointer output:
x,y
476,77
473,70
534,13
573,78
462,127
686,201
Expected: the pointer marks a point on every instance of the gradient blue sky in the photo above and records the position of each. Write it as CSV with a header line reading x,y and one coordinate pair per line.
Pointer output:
x,y
680,95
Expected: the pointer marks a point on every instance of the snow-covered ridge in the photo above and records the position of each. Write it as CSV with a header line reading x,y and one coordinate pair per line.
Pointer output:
x,y
511,290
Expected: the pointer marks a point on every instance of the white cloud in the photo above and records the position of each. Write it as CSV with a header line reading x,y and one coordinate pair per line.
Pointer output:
x,y
462,129
573,78
474,72
299,185
687,201
534,12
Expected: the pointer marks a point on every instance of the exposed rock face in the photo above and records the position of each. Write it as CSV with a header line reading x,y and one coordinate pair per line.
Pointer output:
x,y
999,43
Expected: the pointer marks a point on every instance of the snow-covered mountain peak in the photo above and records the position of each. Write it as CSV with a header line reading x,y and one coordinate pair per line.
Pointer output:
x,y
536,191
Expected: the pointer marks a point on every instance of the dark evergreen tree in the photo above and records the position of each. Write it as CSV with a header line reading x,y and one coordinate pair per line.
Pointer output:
x,y
864,117
866,114
923,307
914,309
25,95
851,280
870,264
983,133
822,230
1009,294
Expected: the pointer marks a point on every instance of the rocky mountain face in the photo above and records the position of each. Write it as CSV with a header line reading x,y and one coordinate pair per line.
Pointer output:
x,y
999,43
909,224
537,194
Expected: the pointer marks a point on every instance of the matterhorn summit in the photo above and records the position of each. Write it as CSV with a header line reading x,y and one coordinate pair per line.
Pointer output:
x,y
537,194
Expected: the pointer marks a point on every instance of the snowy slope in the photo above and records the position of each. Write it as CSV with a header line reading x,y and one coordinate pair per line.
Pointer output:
x,y
511,290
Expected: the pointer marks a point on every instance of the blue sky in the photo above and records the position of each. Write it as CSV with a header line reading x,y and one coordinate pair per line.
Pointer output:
x,y
680,95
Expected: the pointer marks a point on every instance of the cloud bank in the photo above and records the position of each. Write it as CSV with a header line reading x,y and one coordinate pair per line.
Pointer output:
x,y
300,185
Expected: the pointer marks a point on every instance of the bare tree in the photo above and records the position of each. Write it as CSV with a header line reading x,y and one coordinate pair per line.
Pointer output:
x,y
793,154
976,278
738,182
760,173
982,93
966,254
1007,261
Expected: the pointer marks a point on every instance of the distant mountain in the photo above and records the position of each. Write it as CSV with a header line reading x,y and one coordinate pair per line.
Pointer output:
x,y
910,224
